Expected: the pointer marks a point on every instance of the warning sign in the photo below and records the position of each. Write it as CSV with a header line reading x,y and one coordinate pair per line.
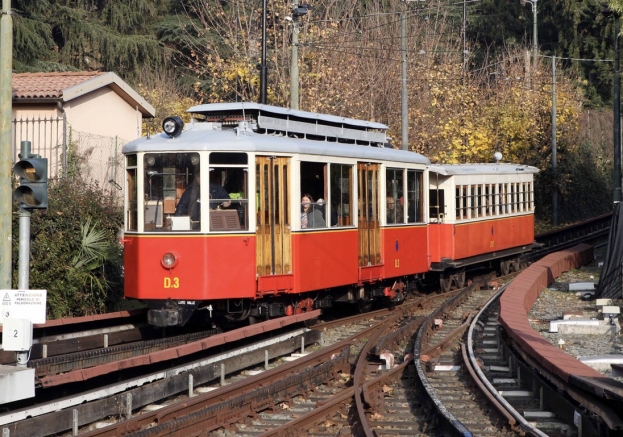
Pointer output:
x,y
23,304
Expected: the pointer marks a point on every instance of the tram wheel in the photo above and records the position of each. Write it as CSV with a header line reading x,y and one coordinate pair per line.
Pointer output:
x,y
310,322
364,306
460,279
505,267
445,283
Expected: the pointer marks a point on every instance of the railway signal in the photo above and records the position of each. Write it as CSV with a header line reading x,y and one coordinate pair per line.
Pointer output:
x,y
32,192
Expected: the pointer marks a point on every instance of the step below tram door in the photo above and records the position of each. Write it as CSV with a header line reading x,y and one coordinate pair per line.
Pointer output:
x,y
273,235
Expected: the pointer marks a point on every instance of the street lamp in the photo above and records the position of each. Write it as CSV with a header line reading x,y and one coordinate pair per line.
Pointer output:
x,y
534,34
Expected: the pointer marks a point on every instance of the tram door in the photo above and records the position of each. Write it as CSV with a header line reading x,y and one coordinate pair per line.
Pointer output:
x,y
274,247
369,229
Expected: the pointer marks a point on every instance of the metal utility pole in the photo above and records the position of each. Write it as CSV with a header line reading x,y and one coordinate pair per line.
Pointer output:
x,y
297,12
404,105
617,114
535,42
263,72
294,66
554,165
464,31
6,204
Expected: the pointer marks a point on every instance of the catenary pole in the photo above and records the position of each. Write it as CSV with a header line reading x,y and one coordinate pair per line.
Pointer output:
x,y
263,68
294,66
404,105
6,205
617,115
554,164
535,42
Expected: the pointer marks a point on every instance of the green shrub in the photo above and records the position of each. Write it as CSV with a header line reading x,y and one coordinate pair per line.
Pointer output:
x,y
584,183
74,249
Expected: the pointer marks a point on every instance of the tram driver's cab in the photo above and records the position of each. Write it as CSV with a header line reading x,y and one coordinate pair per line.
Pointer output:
x,y
179,190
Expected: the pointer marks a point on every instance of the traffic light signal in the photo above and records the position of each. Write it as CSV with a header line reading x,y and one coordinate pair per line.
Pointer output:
x,y
33,189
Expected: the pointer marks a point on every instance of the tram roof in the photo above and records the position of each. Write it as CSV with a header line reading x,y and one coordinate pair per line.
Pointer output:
x,y
198,138
311,116
497,168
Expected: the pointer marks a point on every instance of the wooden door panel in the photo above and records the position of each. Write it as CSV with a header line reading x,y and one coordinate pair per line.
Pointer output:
x,y
274,255
368,208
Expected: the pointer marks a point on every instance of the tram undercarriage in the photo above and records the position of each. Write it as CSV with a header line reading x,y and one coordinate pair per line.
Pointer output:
x,y
178,312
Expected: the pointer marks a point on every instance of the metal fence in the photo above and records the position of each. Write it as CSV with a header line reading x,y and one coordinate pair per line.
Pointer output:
x,y
48,137
98,158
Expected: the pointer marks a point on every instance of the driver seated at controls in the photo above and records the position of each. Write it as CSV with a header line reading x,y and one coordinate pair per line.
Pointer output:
x,y
190,202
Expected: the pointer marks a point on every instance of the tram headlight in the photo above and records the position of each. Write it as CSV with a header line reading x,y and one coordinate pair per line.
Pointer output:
x,y
172,126
169,260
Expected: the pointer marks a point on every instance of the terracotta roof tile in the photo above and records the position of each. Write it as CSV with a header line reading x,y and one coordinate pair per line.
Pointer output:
x,y
48,85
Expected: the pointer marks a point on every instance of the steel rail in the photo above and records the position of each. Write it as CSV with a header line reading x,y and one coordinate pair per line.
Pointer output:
x,y
79,360
58,415
420,302
333,404
487,388
378,342
452,425
189,406
359,369
233,402
175,352
213,415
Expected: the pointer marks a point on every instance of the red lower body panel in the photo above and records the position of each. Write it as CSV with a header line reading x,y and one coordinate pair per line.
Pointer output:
x,y
405,250
458,241
324,259
208,267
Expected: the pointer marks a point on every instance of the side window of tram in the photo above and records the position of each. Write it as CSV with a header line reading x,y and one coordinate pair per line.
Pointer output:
x,y
132,190
415,196
394,195
314,209
171,192
436,205
340,200
228,191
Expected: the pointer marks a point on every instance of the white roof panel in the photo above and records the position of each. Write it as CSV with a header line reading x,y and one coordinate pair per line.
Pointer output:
x,y
465,169
248,141
312,116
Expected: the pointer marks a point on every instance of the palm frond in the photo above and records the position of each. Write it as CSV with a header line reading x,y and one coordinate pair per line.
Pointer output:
x,y
94,247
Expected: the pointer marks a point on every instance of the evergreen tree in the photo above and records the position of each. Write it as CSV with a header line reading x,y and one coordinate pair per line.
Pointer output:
x,y
119,36
566,28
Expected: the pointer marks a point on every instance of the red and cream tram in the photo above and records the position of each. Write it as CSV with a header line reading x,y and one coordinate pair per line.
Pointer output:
x,y
254,211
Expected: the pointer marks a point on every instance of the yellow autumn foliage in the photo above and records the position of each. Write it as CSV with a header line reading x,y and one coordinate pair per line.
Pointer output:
x,y
351,68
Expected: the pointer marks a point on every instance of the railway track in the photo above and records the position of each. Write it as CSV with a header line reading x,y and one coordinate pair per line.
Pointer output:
x,y
324,373
383,396
315,396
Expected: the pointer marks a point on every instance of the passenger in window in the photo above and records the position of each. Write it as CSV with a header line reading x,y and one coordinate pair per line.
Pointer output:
x,y
235,188
310,216
321,206
394,211
218,195
190,202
